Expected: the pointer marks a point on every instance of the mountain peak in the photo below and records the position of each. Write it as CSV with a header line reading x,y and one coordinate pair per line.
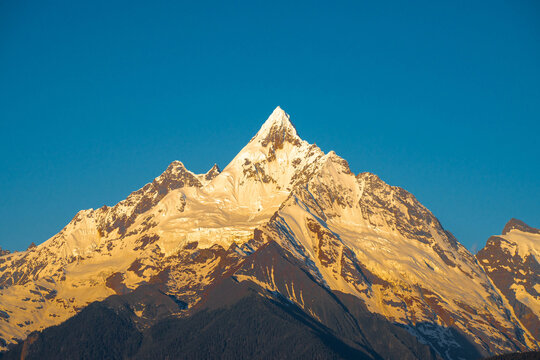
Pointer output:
x,y
175,170
277,130
279,115
212,173
176,175
175,165
519,225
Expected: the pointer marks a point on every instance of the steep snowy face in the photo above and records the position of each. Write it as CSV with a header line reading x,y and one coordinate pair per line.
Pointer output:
x,y
260,177
178,225
49,283
91,230
363,237
512,262
227,208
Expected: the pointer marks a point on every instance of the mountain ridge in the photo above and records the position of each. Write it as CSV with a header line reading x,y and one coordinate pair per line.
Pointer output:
x,y
352,234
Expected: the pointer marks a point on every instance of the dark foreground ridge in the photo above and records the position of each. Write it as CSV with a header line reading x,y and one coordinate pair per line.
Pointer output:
x,y
253,328
239,320
530,355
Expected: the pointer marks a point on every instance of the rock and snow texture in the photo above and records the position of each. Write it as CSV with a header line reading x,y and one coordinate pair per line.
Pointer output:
x,y
512,262
355,234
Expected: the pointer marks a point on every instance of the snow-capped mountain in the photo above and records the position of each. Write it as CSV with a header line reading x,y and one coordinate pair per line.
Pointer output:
x,y
511,260
352,236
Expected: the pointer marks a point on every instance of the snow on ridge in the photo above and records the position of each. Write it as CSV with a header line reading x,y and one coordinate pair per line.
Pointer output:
x,y
334,221
522,243
278,124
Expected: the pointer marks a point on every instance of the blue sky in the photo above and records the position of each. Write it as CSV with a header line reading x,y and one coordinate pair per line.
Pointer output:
x,y
440,98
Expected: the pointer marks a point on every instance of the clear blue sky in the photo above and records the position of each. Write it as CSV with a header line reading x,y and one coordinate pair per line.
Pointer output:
x,y
440,98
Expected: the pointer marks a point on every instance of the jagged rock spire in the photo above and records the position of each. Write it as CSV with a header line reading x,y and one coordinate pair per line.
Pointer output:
x,y
277,130
212,173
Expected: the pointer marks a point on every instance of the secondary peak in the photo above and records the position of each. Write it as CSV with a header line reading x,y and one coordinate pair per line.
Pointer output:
x,y
213,172
519,225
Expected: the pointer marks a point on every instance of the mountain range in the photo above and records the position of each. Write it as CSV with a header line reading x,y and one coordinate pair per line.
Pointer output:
x,y
286,253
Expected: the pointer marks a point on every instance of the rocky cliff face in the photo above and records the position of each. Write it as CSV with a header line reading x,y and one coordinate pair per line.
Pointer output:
x,y
355,237
511,260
